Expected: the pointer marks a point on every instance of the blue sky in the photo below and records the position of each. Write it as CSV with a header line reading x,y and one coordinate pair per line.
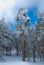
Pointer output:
x,y
32,13
9,9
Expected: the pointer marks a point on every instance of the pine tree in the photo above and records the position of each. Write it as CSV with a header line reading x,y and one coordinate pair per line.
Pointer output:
x,y
23,17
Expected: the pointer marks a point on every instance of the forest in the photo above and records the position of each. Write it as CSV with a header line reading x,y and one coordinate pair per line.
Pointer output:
x,y
26,40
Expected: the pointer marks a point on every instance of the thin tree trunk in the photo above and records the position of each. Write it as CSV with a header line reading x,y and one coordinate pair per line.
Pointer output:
x,y
34,53
17,49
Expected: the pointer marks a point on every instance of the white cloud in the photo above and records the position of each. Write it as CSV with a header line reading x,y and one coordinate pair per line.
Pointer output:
x,y
9,8
6,7
41,6
26,3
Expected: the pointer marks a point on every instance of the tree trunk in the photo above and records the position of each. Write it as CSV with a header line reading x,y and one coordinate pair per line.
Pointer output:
x,y
34,53
23,47
17,49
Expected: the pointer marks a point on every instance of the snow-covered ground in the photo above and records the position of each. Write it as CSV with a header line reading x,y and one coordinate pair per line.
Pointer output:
x,y
17,60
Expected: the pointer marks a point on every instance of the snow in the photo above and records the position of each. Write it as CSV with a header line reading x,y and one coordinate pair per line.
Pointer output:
x,y
17,60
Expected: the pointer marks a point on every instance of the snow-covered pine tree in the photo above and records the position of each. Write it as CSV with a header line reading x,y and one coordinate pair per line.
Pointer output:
x,y
25,22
